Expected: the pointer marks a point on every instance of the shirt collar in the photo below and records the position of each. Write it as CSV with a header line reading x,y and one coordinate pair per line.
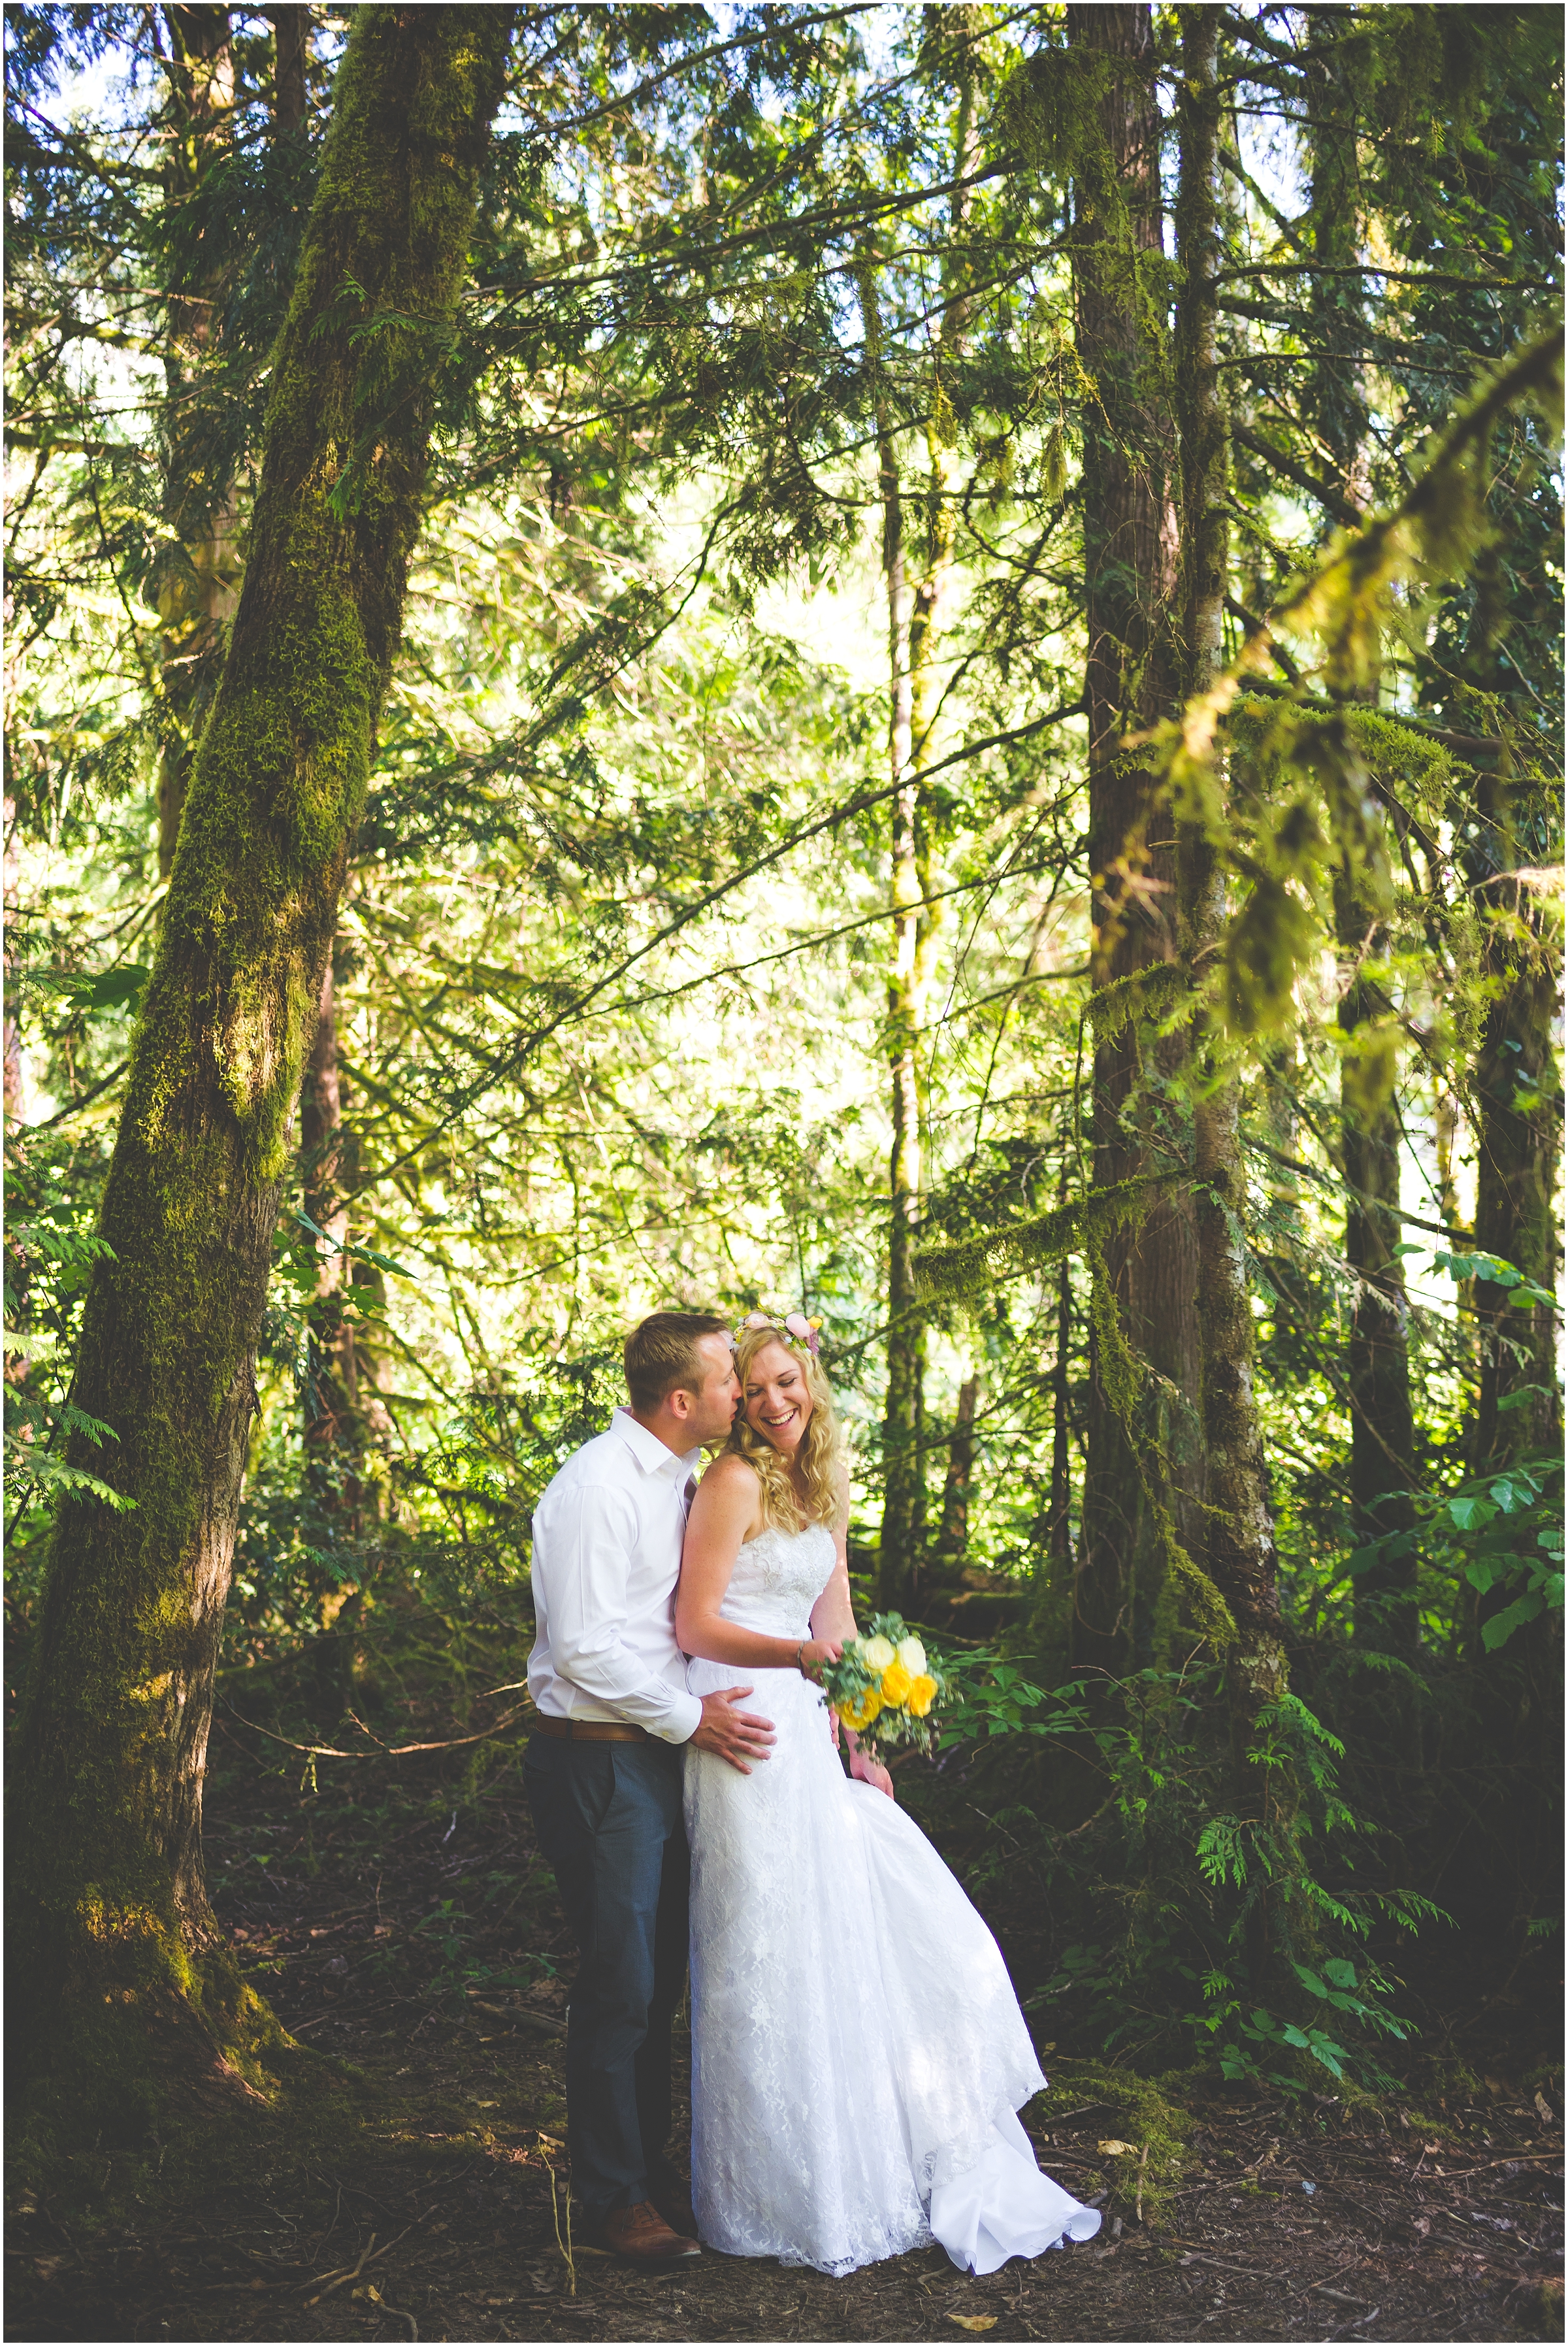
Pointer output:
x,y
649,1451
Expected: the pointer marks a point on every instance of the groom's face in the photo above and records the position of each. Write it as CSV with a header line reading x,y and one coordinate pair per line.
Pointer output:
x,y
716,1400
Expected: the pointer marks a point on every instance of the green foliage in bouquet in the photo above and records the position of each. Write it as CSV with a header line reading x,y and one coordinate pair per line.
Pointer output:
x,y
884,1686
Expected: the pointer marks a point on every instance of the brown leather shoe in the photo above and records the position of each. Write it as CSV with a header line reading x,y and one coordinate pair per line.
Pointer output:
x,y
673,2201
641,2235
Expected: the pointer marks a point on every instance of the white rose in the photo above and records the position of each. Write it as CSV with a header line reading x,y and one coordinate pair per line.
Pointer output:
x,y
911,1654
877,1654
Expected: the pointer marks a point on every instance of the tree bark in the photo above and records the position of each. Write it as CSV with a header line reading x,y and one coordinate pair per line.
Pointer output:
x,y
903,1477
1382,1428
1382,1432
343,1412
109,1913
1059,1536
199,572
291,65
916,616
331,1392
1130,579
952,1538
1519,1097
1238,1550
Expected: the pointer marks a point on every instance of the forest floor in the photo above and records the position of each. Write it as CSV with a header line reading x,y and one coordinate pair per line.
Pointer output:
x,y
410,2183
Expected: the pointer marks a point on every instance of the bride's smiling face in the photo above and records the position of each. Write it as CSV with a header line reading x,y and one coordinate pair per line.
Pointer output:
x,y
777,1401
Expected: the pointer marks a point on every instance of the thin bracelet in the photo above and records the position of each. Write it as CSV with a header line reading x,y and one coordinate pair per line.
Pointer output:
x,y
798,1651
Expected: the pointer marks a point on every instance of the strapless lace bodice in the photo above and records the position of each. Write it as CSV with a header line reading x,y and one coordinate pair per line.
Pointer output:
x,y
778,1577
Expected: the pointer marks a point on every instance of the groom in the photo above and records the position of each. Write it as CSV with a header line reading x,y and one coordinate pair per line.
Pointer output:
x,y
604,1764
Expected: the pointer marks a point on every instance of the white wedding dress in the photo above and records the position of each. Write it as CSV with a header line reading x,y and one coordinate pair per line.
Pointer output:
x,y
858,2053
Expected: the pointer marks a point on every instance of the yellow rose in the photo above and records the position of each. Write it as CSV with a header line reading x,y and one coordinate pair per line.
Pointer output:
x,y
911,1654
896,1683
876,1654
860,1714
922,1694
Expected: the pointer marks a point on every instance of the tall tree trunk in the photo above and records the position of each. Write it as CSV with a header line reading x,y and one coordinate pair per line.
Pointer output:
x,y
332,1393
1238,1550
1382,1432
112,1938
201,570
1059,1536
902,1426
290,66
952,1537
342,1411
1129,556
11,1036
1382,1427
1518,1089
916,615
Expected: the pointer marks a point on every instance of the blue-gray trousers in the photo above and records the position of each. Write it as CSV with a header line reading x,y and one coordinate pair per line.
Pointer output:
x,y
609,1818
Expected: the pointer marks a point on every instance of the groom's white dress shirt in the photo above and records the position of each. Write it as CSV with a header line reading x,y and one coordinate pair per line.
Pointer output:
x,y
607,1552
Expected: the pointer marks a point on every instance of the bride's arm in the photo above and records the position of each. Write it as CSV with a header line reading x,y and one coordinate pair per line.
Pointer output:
x,y
722,1513
833,1616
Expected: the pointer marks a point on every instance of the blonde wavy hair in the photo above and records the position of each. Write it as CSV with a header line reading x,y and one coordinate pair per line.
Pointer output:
x,y
822,1455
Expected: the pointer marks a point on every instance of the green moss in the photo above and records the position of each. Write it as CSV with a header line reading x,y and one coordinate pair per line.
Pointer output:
x,y
1148,2113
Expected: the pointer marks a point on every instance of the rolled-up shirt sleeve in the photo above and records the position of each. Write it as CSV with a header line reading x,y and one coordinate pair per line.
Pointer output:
x,y
592,1534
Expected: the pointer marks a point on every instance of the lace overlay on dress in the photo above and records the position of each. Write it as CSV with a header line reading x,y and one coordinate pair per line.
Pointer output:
x,y
856,2041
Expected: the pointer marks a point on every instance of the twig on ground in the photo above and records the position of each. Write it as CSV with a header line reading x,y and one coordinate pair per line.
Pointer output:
x,y
565,2246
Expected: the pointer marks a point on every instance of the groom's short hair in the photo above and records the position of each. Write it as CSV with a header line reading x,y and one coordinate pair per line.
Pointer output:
x,y
662,1353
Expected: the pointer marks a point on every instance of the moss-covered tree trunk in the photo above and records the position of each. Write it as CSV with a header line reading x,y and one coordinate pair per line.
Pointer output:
x,y
113,1947
200,567
1129,558
1382,1437
1238,1548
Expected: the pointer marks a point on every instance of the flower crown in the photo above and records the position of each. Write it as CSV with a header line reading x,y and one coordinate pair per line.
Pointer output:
x,y
794,1328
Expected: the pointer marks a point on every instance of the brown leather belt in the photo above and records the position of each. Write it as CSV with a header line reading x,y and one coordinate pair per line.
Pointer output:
x,y
588,1731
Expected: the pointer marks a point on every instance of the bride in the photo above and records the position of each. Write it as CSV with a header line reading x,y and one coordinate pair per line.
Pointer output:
x,y
858,2054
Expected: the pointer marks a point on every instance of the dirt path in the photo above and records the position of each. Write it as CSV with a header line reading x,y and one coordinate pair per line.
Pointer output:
x,y
409,1931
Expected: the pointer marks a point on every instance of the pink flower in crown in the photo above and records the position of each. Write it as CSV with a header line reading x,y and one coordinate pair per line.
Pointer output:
x,y
804,1330
794,1325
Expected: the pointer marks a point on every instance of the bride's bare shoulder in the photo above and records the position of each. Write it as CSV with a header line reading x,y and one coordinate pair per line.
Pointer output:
x,y
729,1476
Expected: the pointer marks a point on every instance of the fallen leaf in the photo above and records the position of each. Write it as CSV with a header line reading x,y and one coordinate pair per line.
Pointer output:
x,y
1544,2110
1115,2149
974,2320
48,2267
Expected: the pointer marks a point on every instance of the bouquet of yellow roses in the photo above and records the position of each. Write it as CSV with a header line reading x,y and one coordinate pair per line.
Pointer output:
x,y
884,1686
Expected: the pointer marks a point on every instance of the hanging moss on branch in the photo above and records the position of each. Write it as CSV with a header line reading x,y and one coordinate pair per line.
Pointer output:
x,y
1151,992
1329,765
129,1991
968,1268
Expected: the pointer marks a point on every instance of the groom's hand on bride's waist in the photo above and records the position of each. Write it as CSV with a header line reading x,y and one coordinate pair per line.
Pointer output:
x,y
738,1736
